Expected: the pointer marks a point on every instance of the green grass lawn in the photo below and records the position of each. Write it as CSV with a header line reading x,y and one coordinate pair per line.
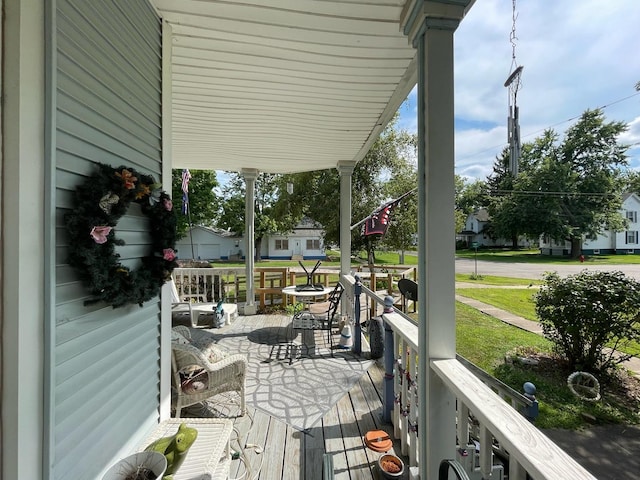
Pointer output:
x,y
534,256
494,280
515,300
485,341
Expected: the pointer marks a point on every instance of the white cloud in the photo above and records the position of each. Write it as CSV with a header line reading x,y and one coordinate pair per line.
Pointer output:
x,y
576,54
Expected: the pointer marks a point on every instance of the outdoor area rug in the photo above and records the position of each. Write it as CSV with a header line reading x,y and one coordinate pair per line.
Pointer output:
x,y
299,394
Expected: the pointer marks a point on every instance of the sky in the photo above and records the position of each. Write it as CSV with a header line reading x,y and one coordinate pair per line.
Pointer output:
x,y
576,55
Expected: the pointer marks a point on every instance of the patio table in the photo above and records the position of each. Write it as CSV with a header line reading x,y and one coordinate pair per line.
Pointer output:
x,y
305,321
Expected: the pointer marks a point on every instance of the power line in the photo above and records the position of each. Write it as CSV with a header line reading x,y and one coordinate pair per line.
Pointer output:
x,y
552,193
502,145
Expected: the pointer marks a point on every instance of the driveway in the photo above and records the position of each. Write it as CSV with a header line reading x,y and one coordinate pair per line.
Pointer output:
x,y
536,270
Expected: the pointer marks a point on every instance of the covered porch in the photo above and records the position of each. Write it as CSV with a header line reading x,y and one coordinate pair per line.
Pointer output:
x,y
276,86
295,429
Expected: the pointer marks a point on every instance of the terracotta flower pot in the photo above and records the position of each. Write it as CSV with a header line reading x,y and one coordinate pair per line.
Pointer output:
x,y
392,467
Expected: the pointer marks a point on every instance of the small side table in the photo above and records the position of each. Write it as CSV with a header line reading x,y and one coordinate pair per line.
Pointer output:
x,y
209,456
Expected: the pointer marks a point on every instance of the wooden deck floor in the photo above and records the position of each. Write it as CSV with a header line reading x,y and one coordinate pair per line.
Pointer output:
x,y
284,452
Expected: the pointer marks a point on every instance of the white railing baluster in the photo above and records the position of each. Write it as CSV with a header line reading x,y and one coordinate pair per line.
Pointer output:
x,y
516,471
486,452
413,406
397,387
463,424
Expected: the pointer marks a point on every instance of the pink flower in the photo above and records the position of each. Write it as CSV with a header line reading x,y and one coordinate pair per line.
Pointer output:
x,y
168,204
99,234
168,254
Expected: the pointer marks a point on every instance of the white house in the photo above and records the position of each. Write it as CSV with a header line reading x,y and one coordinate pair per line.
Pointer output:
x,y
208,243
305,242
608,242
474,231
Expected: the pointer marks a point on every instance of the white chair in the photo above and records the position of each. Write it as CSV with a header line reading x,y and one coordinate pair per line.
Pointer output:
x,y
201,373
217,311
180,307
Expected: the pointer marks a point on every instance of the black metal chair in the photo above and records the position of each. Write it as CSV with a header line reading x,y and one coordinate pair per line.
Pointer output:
x,y
409,291
320,316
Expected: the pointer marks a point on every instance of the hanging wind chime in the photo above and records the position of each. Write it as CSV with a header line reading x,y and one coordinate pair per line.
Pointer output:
x,y
513,84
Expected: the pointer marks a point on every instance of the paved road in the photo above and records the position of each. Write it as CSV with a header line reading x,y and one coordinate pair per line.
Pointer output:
x,y
536,270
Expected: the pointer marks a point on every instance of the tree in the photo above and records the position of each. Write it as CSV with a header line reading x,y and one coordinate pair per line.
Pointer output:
x,y
469,197
503,203
203,201
317,194
403,227
268,191
584,313
569,190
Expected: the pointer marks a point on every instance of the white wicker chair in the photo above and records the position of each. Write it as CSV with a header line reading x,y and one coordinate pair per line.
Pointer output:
x,y
216,371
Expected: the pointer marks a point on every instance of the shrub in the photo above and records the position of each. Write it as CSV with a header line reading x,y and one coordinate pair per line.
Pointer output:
x,y
583,313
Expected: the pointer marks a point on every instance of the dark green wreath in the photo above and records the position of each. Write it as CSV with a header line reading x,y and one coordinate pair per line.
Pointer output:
x,y
99,203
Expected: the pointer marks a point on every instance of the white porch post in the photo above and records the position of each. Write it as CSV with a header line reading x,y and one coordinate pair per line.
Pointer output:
x,y
346,172
250,176
26,247
167,164
431,26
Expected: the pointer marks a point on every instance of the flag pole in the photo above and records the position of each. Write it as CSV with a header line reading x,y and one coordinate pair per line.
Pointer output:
x,y
186,210
392,201
193,256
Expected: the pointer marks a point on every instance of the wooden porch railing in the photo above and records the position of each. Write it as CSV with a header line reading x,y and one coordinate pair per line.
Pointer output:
x,y
229,284
528,452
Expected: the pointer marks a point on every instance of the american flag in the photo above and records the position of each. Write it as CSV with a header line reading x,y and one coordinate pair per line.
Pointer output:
x,y
378,222
186,176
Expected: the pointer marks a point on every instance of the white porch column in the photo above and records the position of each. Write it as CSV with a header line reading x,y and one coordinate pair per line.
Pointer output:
x,y
430,26
26,246
346,172
250,176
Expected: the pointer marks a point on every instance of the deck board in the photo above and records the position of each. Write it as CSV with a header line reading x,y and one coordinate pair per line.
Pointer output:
x,y
289,454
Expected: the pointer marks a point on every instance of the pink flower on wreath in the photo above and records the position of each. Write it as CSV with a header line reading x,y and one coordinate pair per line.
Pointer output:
x,y
168,204
168,254
99,234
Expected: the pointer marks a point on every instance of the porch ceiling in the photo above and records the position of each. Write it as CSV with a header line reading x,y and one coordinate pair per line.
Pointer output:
x,y
284,86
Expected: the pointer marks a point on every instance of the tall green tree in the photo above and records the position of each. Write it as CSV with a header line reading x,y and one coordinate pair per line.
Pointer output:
x,y
317,194
572,190
470,196
403,227
267,221
203,201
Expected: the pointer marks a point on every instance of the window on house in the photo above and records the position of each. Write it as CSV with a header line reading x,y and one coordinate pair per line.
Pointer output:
x,y
632,237
313,244
282,244
632,216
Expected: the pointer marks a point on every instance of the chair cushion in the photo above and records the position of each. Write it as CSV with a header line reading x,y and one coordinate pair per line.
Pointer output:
x,y
214,354
193,379
178,338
